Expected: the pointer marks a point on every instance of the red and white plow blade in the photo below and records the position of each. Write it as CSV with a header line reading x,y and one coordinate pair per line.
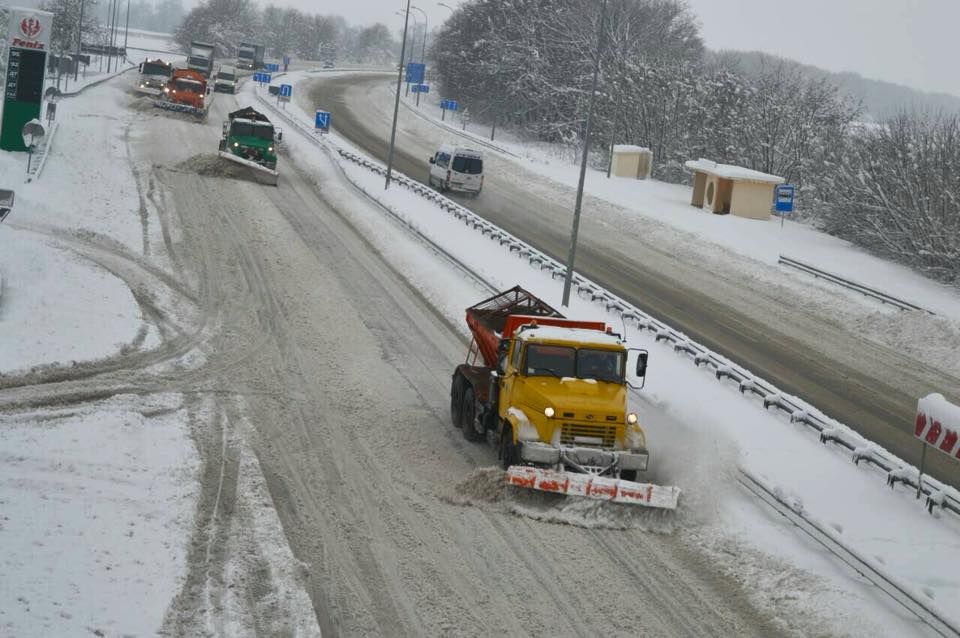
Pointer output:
x,y
598,487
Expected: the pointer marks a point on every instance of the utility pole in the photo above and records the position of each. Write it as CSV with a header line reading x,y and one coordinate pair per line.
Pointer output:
x,y
568,280
396,101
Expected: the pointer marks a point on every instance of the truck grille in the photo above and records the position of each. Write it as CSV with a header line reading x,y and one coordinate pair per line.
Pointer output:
x,y
571,431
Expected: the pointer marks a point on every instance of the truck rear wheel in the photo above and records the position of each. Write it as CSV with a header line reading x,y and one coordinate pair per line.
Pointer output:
x,y
456,400
468,412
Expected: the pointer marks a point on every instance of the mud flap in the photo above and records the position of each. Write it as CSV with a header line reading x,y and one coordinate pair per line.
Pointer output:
x,y
596,487
264,174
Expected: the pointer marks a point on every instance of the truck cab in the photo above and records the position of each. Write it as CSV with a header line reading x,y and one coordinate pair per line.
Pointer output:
x,y
562,401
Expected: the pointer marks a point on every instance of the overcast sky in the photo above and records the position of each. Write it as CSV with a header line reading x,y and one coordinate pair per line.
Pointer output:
x,y
912,42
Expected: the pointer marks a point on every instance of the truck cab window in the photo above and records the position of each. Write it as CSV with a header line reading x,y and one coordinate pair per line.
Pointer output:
x,y
544,360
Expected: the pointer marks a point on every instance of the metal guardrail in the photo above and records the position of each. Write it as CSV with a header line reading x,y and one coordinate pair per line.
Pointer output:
x,y
852,285
937,495
822,534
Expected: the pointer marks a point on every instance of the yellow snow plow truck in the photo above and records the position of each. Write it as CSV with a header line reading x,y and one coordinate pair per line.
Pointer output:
x,y
551,394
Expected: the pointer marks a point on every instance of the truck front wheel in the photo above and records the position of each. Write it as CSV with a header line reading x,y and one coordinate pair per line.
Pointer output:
x,y
468,412
509,450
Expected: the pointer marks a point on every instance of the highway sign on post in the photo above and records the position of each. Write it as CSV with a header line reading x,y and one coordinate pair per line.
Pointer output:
x,y
322,121
415,72
286,90
420,88
783,198
271,67
262,78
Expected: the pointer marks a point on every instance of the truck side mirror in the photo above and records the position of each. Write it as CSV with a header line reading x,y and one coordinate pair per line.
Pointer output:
x,y
432,160
642,364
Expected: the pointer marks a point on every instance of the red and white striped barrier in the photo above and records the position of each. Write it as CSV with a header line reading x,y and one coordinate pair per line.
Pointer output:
x,y
938,424
590,486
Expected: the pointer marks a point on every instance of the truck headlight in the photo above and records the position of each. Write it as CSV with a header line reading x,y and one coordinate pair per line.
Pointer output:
x,y
548,412
269,149
236,144
632,418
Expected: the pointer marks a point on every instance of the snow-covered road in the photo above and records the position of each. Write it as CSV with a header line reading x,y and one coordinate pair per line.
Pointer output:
x,y
311,374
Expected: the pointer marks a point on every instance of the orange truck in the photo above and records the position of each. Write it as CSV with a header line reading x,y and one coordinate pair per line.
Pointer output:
x,y
551,394
186,92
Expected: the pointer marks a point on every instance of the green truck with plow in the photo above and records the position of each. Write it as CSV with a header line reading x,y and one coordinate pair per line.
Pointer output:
x,y
250,139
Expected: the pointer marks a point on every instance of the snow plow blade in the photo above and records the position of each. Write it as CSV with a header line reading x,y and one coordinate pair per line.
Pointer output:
x,y
182,108
264,174
596,487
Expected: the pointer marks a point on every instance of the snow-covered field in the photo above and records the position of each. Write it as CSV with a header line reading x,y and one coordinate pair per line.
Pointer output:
x,y
700,430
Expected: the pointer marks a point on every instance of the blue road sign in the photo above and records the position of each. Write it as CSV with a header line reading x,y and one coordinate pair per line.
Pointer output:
x,y
322,121
783,198
273,68
286,90
448,105
420,88
286,62
415,72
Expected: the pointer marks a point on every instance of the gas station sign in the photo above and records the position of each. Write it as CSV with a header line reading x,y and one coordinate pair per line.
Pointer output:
x,y
29,41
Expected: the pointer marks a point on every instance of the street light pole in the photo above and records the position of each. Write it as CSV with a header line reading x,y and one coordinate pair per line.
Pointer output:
x,y
568,280
396,101
126,30
423,50
76,69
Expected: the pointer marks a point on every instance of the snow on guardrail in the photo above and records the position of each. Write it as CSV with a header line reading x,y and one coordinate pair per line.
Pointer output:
x,y
938,497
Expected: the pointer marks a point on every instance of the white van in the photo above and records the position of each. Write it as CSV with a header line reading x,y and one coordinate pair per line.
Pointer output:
x,y
226,81
456,168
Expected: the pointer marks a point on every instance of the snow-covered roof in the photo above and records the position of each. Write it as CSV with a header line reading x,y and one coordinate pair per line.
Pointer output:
x,y
556,333
629,148
729,171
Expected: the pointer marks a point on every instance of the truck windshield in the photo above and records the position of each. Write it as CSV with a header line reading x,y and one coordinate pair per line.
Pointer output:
x,y
229,77
583,363
155,69
468,165
246,129
189,85
558,361
605,365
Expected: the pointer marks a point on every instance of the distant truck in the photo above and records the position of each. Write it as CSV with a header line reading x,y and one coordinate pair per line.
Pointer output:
x,y
201,58
226,81
154,76
250,56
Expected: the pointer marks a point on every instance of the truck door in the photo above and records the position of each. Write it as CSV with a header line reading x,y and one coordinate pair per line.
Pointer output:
x,y
509,377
